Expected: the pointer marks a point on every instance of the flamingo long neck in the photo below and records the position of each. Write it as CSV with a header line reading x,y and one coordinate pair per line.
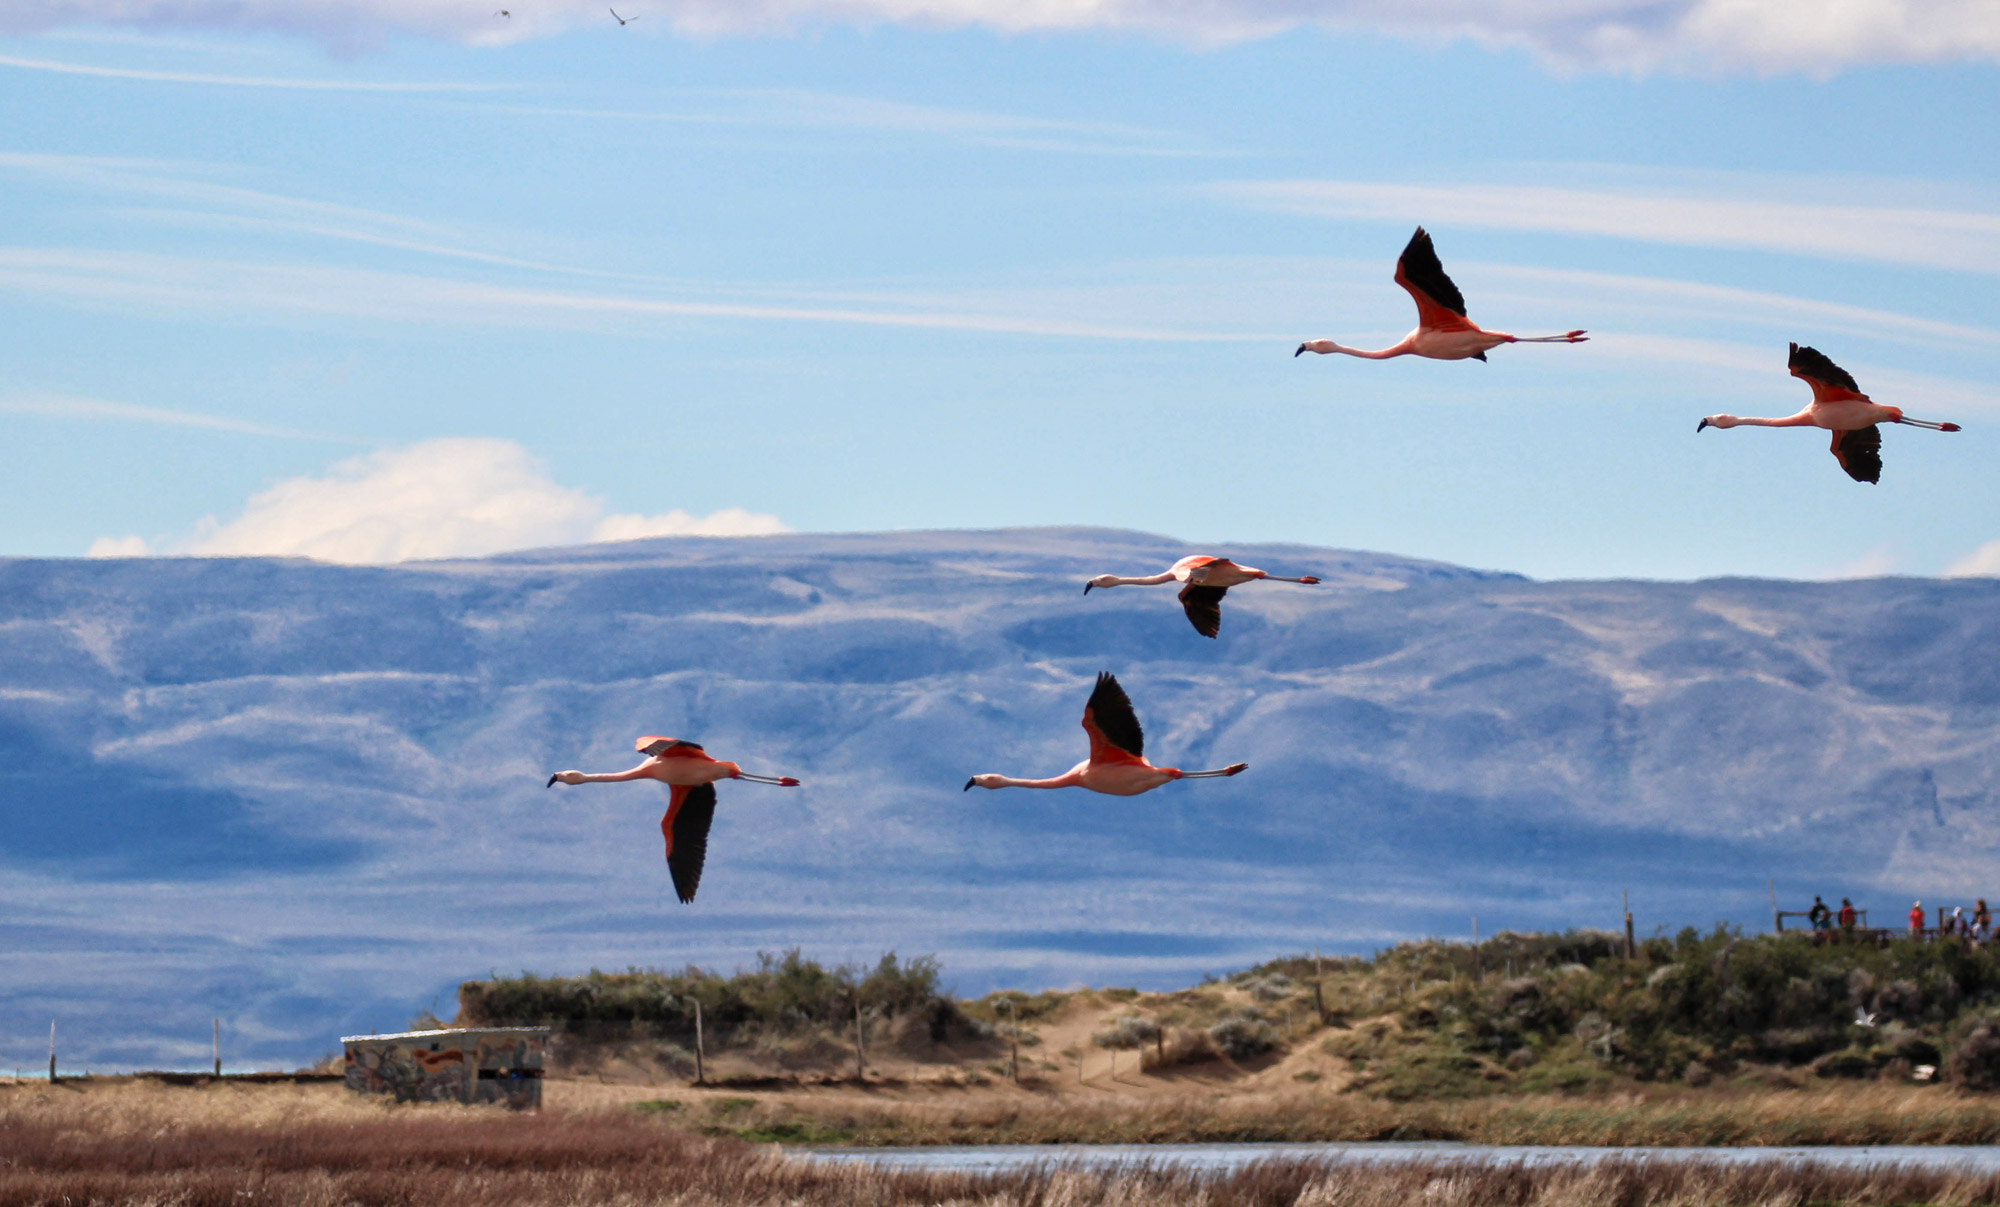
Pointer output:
x,y
1799,420
1068,779
1401,348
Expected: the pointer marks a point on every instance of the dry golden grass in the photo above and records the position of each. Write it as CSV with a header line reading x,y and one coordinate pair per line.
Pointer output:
x,y
1851,1114
236,1146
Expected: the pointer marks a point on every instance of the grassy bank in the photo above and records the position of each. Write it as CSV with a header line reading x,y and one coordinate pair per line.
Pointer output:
x,y
1871,1115
314,1147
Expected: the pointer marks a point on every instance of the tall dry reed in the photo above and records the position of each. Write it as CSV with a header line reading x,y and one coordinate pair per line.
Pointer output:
x,y
209,1149
1852,1115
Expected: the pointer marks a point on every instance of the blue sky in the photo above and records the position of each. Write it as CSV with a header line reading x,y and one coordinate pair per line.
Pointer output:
x,y
370,281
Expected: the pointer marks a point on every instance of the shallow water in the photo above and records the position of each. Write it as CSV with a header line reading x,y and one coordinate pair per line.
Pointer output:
x,y
1002,1157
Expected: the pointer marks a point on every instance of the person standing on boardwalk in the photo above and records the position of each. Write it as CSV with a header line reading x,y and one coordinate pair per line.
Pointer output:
x,y
1819,915
1916,919
1847,916
1982,922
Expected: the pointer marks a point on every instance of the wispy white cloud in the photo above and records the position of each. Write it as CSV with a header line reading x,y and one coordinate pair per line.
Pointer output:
x,y
269,290
1927,238
236,81
456,497
805,109
1621,35
1983,562
69,406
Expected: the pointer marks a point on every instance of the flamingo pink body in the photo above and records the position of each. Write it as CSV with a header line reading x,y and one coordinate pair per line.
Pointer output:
x,y
689,774
1116,766
1443,331
1206,579
1837,406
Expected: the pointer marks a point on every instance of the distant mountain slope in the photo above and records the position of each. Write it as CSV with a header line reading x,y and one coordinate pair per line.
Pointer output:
x,y
306,797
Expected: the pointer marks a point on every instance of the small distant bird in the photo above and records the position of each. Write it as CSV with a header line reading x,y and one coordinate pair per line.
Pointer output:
x,y
1443,332
1839,406
691,773
1207,579
503,13
621,20
1863,1019
1117,764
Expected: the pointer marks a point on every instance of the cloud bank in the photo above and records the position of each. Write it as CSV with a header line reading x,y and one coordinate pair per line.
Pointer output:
x,y
457,497
1619,35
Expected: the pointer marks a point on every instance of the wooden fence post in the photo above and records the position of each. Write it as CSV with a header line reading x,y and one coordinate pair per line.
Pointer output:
x,y
218,1047
1625,898
860,1068
700,1074
1319,999
1014,1038
52,1050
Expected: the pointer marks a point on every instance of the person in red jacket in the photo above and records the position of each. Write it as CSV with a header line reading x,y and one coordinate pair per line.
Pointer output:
x,y
1847,915
1916,919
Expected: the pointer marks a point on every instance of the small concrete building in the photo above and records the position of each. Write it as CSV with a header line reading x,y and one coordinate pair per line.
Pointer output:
x,y
476,1064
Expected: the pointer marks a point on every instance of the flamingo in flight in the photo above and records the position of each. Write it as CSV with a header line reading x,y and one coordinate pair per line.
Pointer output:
x,y
1443,332
1839,406
1207,579
1117,765
687,769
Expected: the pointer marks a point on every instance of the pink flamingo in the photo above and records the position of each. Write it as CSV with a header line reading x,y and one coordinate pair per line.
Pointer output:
x,y
1207,579
1117,764
1839,406
691,773
1443,332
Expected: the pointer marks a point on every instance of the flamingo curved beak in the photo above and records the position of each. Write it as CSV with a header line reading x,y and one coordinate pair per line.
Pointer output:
x,y
968,786
1702,426
551,783
1086,588
1300,352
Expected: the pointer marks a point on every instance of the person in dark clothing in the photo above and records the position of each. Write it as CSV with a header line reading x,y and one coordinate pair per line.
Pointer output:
x,y
1819,915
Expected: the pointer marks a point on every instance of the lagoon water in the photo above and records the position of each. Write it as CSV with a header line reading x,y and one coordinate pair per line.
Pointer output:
x,y
1002,1157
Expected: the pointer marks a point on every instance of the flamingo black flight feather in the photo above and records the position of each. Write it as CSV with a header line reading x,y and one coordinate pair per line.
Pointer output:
x,y
1110,709
1422,269
687,838
1203,606
1860,452
1811,362
665,744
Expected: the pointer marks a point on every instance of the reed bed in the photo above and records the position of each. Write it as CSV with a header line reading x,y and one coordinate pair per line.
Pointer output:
x,y
1848,1115
61,1148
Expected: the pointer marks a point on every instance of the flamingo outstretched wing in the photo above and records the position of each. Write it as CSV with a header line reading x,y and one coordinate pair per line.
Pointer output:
x,y
685,827
1203,606
1113,727
1829,382
1440,306
1860,452
656,746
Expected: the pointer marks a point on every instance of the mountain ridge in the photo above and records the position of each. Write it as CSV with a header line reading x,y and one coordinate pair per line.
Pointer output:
x,y
293,791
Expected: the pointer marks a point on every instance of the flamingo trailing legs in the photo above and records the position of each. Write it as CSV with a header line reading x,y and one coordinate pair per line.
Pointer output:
x,y
1117,765
1443,332
689,771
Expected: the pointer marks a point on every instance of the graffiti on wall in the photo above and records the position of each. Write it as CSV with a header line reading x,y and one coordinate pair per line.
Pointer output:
x,y
497,1065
